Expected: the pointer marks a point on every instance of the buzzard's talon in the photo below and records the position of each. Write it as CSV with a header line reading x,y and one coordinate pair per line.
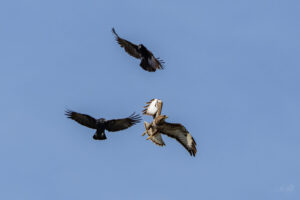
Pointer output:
x,y
152,135
144,133
148,138
159,126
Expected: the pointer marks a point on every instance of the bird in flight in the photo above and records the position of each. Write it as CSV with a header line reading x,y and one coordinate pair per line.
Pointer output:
x,y
160,126
153,108
148,61
102,124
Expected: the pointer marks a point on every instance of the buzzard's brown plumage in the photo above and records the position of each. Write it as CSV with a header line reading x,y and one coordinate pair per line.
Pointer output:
x,y
156,139
178,132
159,126
153,108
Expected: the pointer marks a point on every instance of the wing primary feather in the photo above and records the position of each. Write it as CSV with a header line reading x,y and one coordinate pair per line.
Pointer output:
x,y
136,118
114,32
124,123
179,132
129,47
68,113
82,119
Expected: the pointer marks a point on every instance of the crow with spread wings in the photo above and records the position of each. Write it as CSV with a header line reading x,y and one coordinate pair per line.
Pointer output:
x,y
148,61
102,124
160,126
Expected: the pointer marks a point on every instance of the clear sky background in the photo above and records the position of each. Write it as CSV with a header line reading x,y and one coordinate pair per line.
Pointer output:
x,y
231,78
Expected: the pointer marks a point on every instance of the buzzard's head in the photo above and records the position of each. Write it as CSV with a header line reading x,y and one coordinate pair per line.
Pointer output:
x,y
160,119
164,117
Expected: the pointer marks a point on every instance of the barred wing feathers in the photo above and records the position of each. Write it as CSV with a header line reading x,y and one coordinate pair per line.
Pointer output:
x,y
179,132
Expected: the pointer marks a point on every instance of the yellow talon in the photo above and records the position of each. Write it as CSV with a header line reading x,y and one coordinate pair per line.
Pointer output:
x,y
150,137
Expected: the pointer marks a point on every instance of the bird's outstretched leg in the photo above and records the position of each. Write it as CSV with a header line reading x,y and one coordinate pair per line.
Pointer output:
x,y
144,133
147,127
153,133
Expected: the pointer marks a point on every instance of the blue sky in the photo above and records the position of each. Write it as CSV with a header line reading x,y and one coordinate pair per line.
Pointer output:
x,y
231,77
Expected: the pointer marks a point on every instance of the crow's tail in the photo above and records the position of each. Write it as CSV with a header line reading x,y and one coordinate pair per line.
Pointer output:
x,y
99,135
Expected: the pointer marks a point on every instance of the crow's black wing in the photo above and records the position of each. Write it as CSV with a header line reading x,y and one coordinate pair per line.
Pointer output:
x,y
121,124
82,119
129,47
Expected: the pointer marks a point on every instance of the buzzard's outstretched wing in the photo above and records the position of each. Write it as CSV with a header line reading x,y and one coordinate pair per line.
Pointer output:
x,y
82,119
156,139
121,124
179,132
153,107
129,47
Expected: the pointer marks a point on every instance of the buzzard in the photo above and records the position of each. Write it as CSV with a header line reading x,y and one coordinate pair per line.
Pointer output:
x,y
102,124
153,108
160,126
148,61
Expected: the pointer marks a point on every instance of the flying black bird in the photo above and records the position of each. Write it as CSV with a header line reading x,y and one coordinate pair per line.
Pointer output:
x,y
101,124
149,62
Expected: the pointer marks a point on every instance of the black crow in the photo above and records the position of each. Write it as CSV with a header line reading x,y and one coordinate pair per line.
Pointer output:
x,y
101,124
148,61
